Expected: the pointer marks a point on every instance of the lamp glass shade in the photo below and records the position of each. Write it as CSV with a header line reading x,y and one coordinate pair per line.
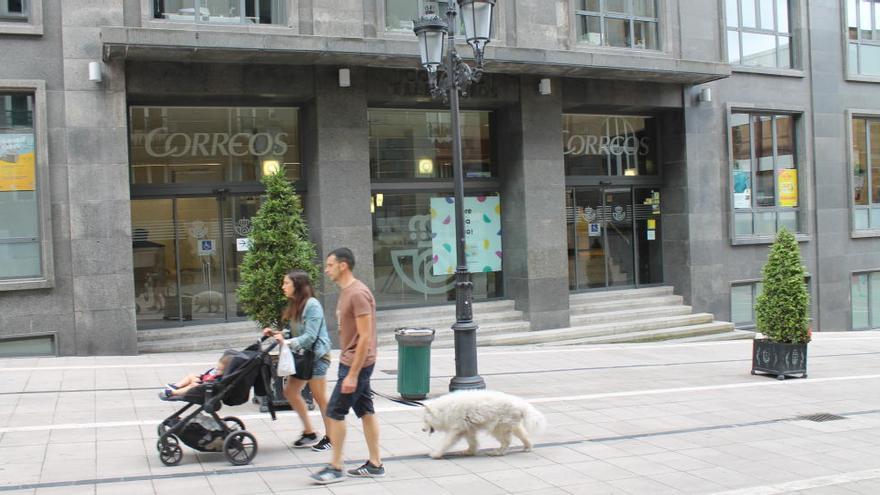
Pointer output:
x,y
477,17
431,31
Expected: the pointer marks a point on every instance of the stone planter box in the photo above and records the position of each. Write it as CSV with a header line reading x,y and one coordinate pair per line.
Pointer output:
x,y
779,359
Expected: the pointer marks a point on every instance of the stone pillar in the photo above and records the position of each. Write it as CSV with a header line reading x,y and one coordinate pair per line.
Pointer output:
x,y
337,168
98,185
533,205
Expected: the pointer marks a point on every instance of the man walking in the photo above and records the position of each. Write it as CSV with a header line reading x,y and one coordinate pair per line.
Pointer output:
x,y
356,314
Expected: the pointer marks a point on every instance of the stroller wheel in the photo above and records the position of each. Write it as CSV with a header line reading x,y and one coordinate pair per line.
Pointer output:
x,y
240,447
170,452
233,423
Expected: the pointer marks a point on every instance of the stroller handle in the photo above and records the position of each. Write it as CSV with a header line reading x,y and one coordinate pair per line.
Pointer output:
x,y
271,346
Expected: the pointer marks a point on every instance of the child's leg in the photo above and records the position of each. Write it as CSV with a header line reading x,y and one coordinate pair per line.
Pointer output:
x,y
188,380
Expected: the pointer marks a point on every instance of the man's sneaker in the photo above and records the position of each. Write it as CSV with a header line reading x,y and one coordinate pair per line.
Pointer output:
x,y
323,445
306,441
368,470
328,475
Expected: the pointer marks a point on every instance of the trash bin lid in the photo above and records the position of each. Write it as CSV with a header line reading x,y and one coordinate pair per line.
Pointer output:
x,y
414,332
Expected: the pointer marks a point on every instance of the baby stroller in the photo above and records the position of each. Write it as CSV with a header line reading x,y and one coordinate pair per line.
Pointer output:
x,y
203,429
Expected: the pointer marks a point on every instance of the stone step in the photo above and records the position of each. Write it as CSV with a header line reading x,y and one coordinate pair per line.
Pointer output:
x,y
403,315
200,343
544,336
445,321
444,336
686,331
613,295
194,331
630,314
731,335
604,306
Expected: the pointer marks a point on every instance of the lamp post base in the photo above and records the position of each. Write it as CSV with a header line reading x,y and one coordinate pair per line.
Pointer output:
x,y
466,375
467,383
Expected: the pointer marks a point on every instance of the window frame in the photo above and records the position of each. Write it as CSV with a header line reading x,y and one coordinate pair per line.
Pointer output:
x,y
803,165
29,23
856,75
796,21
870,116
496,34
289,24
853,274
603,14
754,283
44,215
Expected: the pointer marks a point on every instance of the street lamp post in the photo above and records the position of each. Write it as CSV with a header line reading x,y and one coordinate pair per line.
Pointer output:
x,y
446,83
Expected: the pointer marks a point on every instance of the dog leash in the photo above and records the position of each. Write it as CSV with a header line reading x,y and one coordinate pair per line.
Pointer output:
x,y
399,400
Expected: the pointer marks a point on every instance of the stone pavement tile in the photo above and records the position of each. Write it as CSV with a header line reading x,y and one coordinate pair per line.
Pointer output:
x,y
68,490
562,454
515,480
238,484
591,488
480,463
431,468
73,435
468,484
142,487
61,452
558,475
599,450
23,454
182,486
523,460
601,470
727,478
640,465
545,491
641,486
288,479
826,490
686,483
676,461
711,455
864,487
69,470
120,448
358,487
586,431
20,474
671,442
760,473
123,466
409,487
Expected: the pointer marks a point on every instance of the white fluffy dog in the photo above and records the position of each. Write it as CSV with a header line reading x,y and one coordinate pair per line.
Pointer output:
x,y
462,414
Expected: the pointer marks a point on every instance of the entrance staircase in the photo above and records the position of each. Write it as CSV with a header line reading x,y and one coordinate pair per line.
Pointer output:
x,y
634,315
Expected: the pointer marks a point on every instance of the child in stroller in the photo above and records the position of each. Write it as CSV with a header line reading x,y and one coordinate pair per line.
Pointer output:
x,y
187,383
203,429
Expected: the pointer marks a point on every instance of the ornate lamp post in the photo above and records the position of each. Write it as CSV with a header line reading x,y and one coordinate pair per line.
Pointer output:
x,y
447,78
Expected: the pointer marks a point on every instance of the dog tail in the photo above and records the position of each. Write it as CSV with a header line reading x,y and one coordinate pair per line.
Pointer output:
x,y
533,420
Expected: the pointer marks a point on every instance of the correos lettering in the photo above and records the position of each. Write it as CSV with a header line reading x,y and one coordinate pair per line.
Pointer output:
x,y
180,144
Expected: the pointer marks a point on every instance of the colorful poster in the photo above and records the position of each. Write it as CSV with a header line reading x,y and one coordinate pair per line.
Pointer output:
x,y
742,189
482,219
17,171
786,185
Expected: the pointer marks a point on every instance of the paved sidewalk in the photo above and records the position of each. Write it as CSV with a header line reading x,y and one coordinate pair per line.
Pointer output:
x,y
629,419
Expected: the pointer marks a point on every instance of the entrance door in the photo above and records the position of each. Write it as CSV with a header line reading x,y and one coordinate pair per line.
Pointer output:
x,y
608,230
186,257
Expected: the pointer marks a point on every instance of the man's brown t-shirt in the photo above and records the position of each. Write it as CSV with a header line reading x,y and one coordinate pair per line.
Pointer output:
x,y
355,300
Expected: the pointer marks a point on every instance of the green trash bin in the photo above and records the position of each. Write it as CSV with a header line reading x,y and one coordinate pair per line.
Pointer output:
x,y
414,361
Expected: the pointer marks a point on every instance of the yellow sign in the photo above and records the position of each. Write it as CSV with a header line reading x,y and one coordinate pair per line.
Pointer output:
x,y
786,187
652,223
17,171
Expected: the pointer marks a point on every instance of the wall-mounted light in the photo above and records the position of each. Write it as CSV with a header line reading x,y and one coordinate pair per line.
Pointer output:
x,y
95,72
544,87
344,78
380,199
426,166
270,167
705,95
372,205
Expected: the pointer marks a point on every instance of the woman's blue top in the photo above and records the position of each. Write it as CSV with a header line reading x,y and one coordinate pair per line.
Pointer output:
x,y
310,328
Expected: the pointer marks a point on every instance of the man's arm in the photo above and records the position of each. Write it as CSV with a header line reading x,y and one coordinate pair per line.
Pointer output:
x,y
364,324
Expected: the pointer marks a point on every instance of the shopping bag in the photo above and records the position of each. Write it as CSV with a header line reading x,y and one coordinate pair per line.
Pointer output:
x,y
286,367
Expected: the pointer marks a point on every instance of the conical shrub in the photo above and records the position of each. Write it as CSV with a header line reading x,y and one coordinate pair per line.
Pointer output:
x,y
279,243
782,308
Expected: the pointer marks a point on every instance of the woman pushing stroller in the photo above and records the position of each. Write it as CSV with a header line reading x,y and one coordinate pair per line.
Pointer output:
x,y
305,316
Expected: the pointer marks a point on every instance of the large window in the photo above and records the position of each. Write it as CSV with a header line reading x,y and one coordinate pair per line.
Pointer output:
x,y
14,10
20,247
744,295
866,173
417,144
764,178
619,23
171,145
222,11
609,145
866,300
758,33
399,14
863,27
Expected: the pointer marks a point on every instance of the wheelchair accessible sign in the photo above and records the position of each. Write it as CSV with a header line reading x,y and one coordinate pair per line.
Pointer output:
x,y
206,247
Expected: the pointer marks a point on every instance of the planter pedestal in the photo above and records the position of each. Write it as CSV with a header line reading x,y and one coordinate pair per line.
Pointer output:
x,y
779,359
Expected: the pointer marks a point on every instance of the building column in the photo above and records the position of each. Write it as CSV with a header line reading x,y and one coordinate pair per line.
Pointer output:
x,y
336,161
533,205
98,187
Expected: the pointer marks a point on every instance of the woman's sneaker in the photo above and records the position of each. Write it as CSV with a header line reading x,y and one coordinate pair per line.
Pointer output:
x,y
328,475
306,441
323,445
368,471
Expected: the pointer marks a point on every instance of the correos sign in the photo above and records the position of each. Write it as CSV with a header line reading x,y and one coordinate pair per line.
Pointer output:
x,y
159,143
619,138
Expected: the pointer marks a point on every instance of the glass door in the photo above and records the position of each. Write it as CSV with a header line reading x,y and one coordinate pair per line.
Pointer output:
x,y
602,246
237,212
200,258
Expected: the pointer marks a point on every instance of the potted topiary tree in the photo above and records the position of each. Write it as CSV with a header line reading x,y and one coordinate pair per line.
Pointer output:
x,y
781,312
279,242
